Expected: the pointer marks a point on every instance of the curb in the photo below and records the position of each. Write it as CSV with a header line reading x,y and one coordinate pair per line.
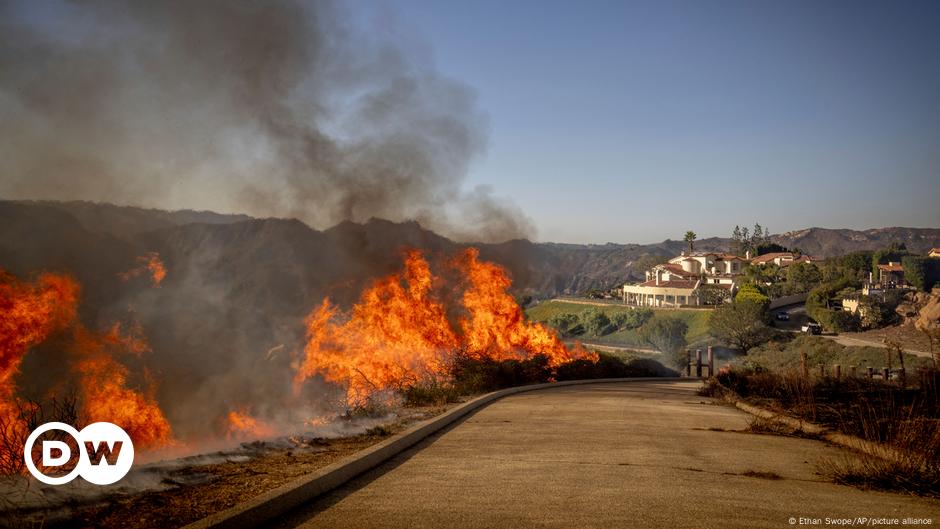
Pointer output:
x,y
262,508
848,441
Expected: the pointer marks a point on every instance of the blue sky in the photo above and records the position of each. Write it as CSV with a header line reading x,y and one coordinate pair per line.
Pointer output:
x,y
634,121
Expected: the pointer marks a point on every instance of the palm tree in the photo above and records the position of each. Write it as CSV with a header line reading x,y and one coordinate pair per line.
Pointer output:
x,y
690,238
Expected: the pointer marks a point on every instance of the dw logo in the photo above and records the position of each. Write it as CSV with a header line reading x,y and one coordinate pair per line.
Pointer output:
x,y
105,453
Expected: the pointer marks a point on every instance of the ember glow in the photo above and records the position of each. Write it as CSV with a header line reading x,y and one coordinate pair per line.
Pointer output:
x,y
399,332
241,425
151,265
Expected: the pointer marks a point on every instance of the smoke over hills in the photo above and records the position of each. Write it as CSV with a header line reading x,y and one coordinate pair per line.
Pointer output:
x,y
276,108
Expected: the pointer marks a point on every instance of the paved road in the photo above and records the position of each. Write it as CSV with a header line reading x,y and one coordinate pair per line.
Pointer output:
x,y
647,454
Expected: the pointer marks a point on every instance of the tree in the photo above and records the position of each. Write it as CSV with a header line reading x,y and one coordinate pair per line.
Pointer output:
x,y
595,322
736,238
690,237
750,293
631,319
667,335
741,325
921,272
893,253
803,276
564,322
769,247
711,294
873,313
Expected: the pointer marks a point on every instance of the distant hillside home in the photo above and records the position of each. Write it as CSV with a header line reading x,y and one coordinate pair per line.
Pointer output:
x,y
891,274
934,252
781,259
681,281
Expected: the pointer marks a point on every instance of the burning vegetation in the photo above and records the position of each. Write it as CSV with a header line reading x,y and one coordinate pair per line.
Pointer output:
x,y
106,394
410,331
32,313
242,425
402,331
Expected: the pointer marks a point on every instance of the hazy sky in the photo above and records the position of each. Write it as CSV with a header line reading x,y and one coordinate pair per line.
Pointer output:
x,y
634,121
572,122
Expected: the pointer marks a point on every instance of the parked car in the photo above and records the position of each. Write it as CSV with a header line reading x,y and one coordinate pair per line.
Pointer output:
x,y
812,328
783,316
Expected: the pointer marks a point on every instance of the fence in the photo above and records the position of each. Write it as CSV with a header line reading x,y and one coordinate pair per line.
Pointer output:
x,y
698,362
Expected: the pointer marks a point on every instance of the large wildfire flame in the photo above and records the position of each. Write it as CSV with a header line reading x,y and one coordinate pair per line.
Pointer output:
x,y
31,312
105,393
399,332
406,328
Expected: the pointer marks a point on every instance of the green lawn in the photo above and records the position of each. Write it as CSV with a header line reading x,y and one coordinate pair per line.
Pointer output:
x,y
697,320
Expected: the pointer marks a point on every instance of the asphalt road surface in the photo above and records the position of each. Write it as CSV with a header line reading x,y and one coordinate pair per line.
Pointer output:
x,y
635,454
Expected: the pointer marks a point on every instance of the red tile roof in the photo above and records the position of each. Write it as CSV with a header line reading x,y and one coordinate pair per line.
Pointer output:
x,y
768,257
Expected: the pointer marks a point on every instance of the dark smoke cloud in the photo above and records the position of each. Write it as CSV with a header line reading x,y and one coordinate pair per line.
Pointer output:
x,y
270,108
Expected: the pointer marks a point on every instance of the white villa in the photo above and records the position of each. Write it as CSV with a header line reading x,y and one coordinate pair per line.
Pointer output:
x,y
782,259
679,282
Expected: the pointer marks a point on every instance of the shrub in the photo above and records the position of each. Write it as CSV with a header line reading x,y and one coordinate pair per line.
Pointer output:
x,y
595,322
631,319
474,375
430,393
751,294
667,335
564,323
612,367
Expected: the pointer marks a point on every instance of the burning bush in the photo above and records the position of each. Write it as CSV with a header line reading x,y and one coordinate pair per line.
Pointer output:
x,y
401,334
32,312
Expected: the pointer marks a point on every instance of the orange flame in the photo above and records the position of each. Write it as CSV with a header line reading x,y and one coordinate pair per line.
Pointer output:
x,y
395,334
399,333
496,327
105,393
151,264
242,425
30,313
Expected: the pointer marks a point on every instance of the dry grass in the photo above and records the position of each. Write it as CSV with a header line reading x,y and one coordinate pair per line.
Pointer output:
x,y
902,417
915,469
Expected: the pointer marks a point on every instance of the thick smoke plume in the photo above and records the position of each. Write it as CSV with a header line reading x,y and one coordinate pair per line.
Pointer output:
x,y
271,108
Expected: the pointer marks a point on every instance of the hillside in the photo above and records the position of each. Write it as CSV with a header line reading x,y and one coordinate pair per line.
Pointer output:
x,y
350,253
237,288
825,242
